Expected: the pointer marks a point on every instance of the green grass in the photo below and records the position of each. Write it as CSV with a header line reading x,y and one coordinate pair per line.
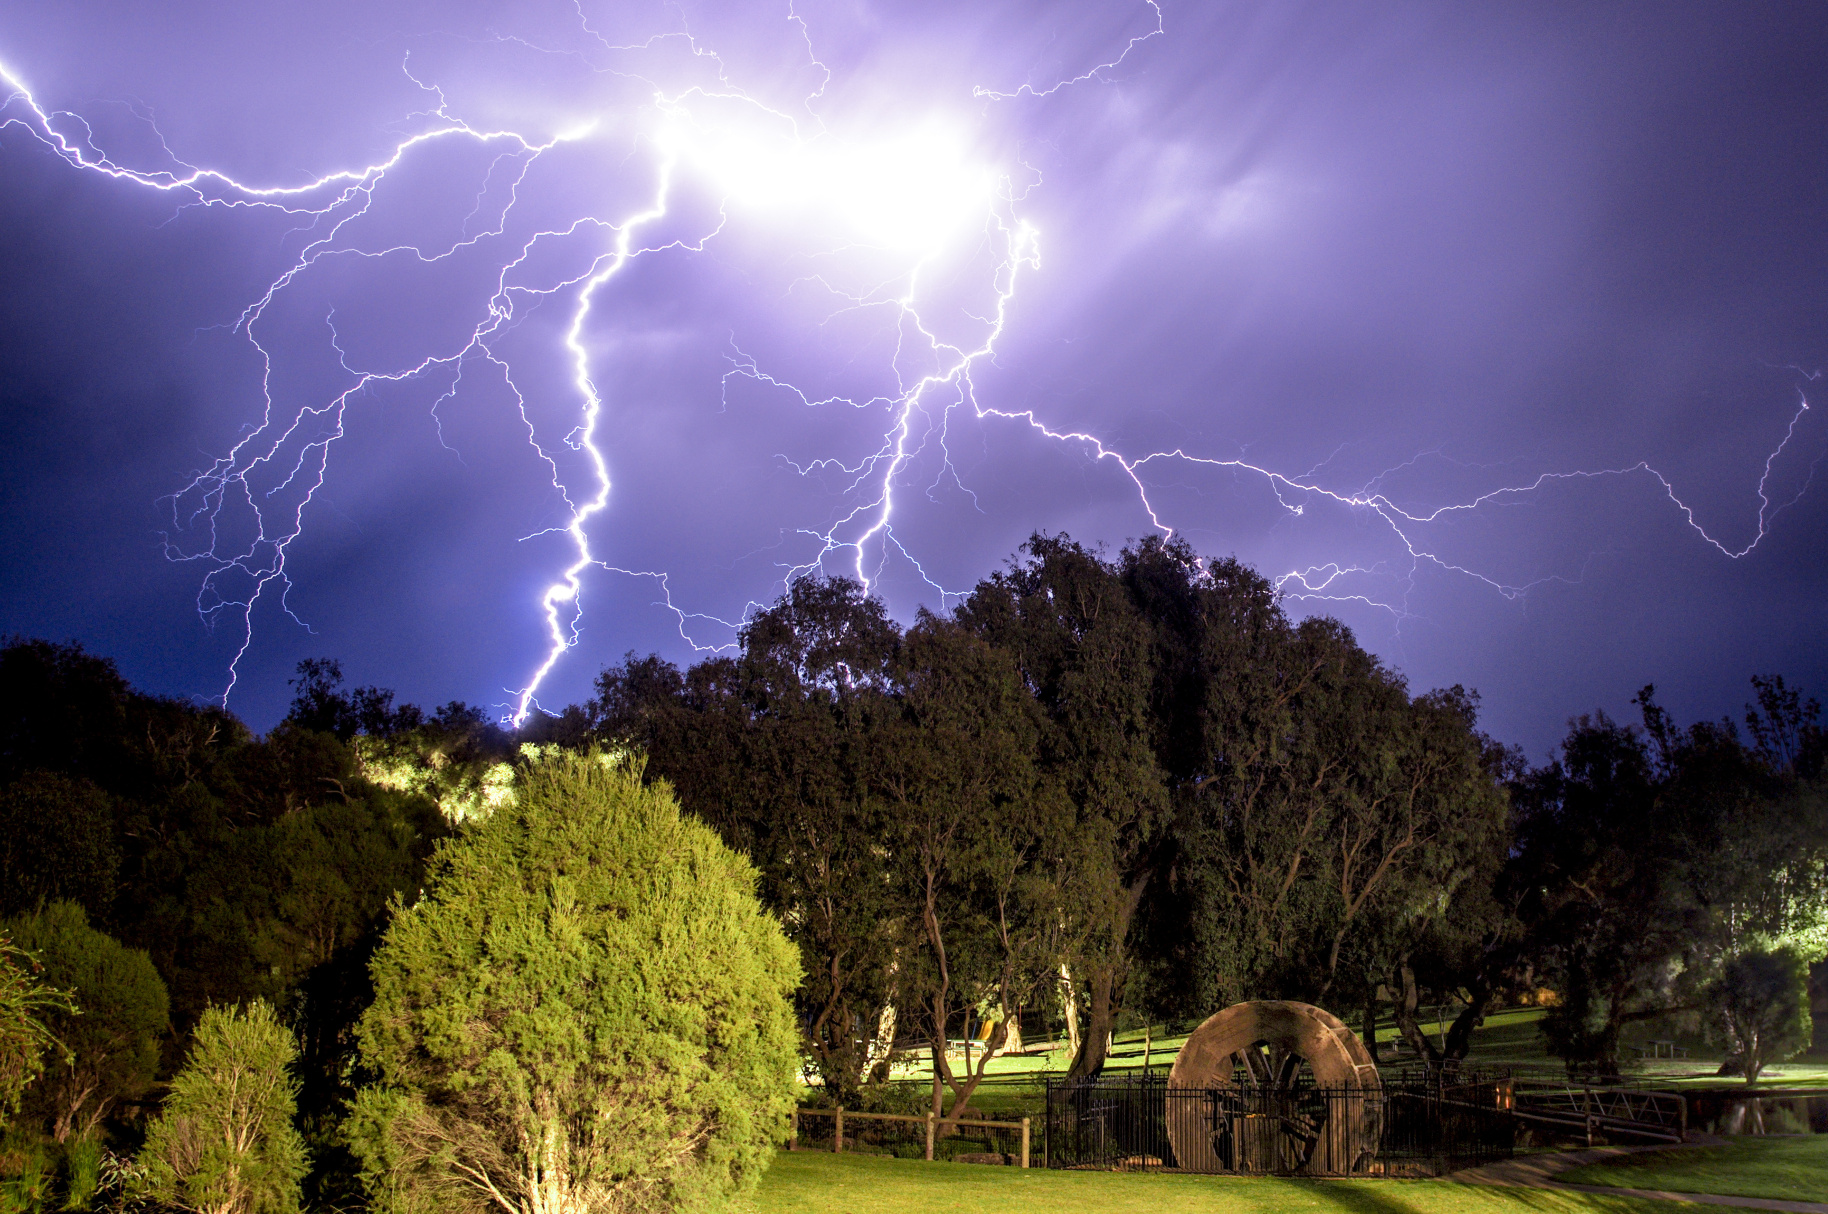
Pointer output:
x,y
1508,1038
806,1182
1785,1168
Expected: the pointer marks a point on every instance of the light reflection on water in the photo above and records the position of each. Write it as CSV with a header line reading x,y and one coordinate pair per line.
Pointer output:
x,y
1726,1113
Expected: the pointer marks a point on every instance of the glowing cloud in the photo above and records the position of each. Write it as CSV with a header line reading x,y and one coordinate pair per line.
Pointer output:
x,y
913,192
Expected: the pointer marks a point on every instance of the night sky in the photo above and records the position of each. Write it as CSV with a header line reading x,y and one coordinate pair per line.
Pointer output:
x,y
1363,262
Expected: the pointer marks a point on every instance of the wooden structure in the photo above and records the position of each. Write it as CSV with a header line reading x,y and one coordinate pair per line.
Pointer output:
x,y
1282,1054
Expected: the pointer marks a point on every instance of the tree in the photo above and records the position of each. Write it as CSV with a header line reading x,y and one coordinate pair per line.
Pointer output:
x,y
1083,651
1762,1000
1649,859
777,750
1325,824
1593,858
112,1037
1417,838
324,1012
458,758
61,709
1786,728
223,1143
977,834
248,879
322,705
56,841
587,1011
25,1001
1755,868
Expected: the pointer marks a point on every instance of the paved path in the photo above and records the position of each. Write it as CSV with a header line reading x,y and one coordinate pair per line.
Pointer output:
x,y
1538,1172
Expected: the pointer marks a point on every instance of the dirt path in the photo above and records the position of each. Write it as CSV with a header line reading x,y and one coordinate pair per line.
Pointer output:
x,y
1538,1172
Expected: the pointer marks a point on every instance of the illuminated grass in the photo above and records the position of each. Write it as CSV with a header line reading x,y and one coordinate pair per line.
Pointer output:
x,y
1509,1038
807,1182
1783,1168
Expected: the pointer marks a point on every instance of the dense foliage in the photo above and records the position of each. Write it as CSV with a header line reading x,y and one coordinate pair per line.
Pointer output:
x,y
586,1012
1111,785
224,1142
26,1002
110,1035
1648,859
1135,787
1762,1000
1103,789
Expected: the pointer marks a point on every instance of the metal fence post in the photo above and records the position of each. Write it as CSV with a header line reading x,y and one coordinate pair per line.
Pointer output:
x,y
837,1138
1024,1142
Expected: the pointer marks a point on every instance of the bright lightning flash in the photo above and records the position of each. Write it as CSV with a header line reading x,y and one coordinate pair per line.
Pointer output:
x,y
907,195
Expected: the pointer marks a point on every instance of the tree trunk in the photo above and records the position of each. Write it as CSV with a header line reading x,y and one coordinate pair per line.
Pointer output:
x,y
72,1096
883,1048
1069,997
939,1101
1460,1036
1407,997
1012,1040
1371,1029
1095,1045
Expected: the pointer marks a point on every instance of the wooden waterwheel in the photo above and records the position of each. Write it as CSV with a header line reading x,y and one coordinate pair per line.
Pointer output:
x,y
1274,1086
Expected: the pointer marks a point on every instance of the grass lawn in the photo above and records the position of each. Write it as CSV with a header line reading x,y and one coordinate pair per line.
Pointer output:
x,y
809,1182
1792,1168
1508,1038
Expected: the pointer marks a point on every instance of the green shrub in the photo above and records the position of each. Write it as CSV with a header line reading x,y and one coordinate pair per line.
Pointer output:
x,y
224,1142
113,1037
588,1012
26,1174
26,1000
82,1159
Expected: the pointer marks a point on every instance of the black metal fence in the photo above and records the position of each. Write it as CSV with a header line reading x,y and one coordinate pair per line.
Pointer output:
x,y
1424,1128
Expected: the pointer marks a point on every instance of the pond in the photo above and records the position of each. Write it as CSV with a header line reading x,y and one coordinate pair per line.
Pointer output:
x,y
1720,1111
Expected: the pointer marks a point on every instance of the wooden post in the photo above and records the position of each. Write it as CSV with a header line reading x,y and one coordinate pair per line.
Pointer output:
x,y
837,1138
793,1135
929,1138
1024,1142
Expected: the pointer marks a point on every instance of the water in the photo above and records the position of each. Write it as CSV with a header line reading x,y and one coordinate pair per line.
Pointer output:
x,y
1728,1112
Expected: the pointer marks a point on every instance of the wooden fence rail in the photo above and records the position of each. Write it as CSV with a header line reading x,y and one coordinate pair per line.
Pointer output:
x,y
931,1122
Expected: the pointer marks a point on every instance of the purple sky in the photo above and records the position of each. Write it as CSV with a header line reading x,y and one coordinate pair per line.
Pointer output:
x,y
1399,256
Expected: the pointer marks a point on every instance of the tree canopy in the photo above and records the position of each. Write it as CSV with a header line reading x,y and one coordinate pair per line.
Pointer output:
x,y
111,1034
1101,787
224,1143
588,1011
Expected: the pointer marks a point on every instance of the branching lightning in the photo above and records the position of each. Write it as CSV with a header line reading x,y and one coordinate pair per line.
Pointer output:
x,y
916,195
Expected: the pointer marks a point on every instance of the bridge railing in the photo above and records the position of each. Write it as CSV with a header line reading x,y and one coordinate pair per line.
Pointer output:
x,y
1612,1111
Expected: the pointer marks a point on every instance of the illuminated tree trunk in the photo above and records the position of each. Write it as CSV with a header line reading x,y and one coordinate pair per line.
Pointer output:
x,y
1069,998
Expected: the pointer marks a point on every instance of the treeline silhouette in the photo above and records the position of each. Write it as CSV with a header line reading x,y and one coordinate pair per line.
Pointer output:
x,y
1103,790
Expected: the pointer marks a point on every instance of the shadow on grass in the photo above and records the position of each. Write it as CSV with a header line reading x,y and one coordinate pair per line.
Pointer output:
x,y
1387,1197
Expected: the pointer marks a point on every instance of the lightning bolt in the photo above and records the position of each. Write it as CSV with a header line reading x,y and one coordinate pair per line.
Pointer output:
x,y
275,470
1095,73
266,481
